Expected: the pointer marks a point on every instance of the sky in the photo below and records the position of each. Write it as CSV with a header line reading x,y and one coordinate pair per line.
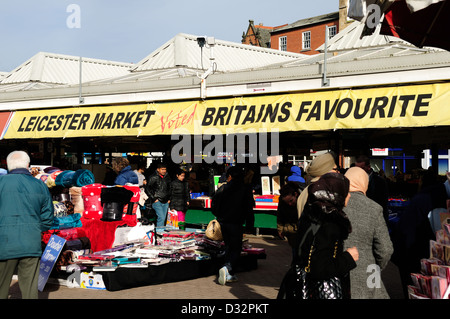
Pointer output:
x,y
128,31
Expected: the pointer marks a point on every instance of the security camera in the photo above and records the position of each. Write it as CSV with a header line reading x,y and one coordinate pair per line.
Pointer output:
x,y
201,41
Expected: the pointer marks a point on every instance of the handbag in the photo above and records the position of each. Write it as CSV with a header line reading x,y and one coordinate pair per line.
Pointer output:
x,y
309,288
298,284
213,231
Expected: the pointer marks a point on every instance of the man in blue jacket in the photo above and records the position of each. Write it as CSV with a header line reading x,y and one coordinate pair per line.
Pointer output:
x,y
26,210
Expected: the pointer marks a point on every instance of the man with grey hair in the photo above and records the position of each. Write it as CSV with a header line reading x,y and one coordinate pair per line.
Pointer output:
x,y
26,210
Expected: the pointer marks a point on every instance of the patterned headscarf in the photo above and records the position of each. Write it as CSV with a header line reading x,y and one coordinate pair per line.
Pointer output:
x,y
326,198
329,192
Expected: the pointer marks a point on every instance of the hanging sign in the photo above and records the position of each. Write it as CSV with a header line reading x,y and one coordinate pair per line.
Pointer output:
x,y
402,106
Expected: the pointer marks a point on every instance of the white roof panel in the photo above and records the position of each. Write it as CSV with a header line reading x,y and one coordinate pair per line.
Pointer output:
x,y
184,51
63,69
350,38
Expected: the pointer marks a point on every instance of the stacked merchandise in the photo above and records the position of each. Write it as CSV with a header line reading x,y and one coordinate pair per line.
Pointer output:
x,y
266,202
67,213
267,198
172,246
144,246
78,203
433,282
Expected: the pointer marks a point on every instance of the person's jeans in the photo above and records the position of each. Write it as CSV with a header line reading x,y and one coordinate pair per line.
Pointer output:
x,y
232,237
161,212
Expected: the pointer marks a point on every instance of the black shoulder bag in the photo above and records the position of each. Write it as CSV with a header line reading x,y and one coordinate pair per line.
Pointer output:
x,y
298,284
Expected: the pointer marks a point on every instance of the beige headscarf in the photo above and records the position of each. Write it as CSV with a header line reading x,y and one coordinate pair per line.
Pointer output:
x,y
359,180
320,165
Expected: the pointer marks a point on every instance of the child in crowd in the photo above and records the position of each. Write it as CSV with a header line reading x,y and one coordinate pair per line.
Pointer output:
x,y
179,199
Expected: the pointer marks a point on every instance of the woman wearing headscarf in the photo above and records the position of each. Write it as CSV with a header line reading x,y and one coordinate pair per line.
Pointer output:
x,y
320,165
370,235
324,213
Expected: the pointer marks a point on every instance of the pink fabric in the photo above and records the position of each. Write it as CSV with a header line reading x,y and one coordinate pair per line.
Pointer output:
x,y
181,216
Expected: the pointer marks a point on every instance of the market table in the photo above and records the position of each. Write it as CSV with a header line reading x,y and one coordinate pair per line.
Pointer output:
x,y
125,278
199,213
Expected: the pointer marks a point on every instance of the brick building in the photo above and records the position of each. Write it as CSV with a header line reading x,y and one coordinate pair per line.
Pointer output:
x,y
258,35
303,36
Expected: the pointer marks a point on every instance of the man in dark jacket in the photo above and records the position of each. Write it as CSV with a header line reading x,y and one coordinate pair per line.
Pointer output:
x,y
158,191
26,210
231,204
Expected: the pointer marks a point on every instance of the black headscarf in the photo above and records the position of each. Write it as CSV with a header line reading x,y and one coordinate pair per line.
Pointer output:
x,y
326,199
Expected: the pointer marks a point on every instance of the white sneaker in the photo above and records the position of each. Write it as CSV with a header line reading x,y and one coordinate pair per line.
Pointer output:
x,y
223,274
231,278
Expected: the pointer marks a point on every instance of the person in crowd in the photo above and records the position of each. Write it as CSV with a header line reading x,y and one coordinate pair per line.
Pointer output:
x,y
180,196
378,189
110,176
251,181
26,210
158,192
139,171
296,176
320,165
370,234
231,204
324,208
412,234
287,217
124,173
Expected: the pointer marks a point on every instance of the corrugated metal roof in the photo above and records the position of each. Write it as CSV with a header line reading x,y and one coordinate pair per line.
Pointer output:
x,y
63,69
27,86
350,38
184,51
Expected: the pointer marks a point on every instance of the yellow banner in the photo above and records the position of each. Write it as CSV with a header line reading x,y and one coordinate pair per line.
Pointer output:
x,y
405,106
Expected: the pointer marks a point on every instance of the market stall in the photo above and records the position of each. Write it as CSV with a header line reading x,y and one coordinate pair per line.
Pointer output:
x,y
102,244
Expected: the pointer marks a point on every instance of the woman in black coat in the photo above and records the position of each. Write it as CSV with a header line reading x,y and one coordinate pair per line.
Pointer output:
x,y
323,210
179,197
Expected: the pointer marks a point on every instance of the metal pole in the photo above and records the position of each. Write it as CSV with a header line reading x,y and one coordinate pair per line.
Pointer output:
x,y
325,81
80,98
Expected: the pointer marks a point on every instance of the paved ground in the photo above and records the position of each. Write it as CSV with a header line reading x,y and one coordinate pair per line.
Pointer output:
x,y
262,283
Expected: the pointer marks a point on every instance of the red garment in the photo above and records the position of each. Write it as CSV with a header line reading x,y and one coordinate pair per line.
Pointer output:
x,y
67,234
102,233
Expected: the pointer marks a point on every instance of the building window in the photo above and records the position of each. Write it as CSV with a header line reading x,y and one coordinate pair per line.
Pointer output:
x,y
332,30
306,40
283,43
